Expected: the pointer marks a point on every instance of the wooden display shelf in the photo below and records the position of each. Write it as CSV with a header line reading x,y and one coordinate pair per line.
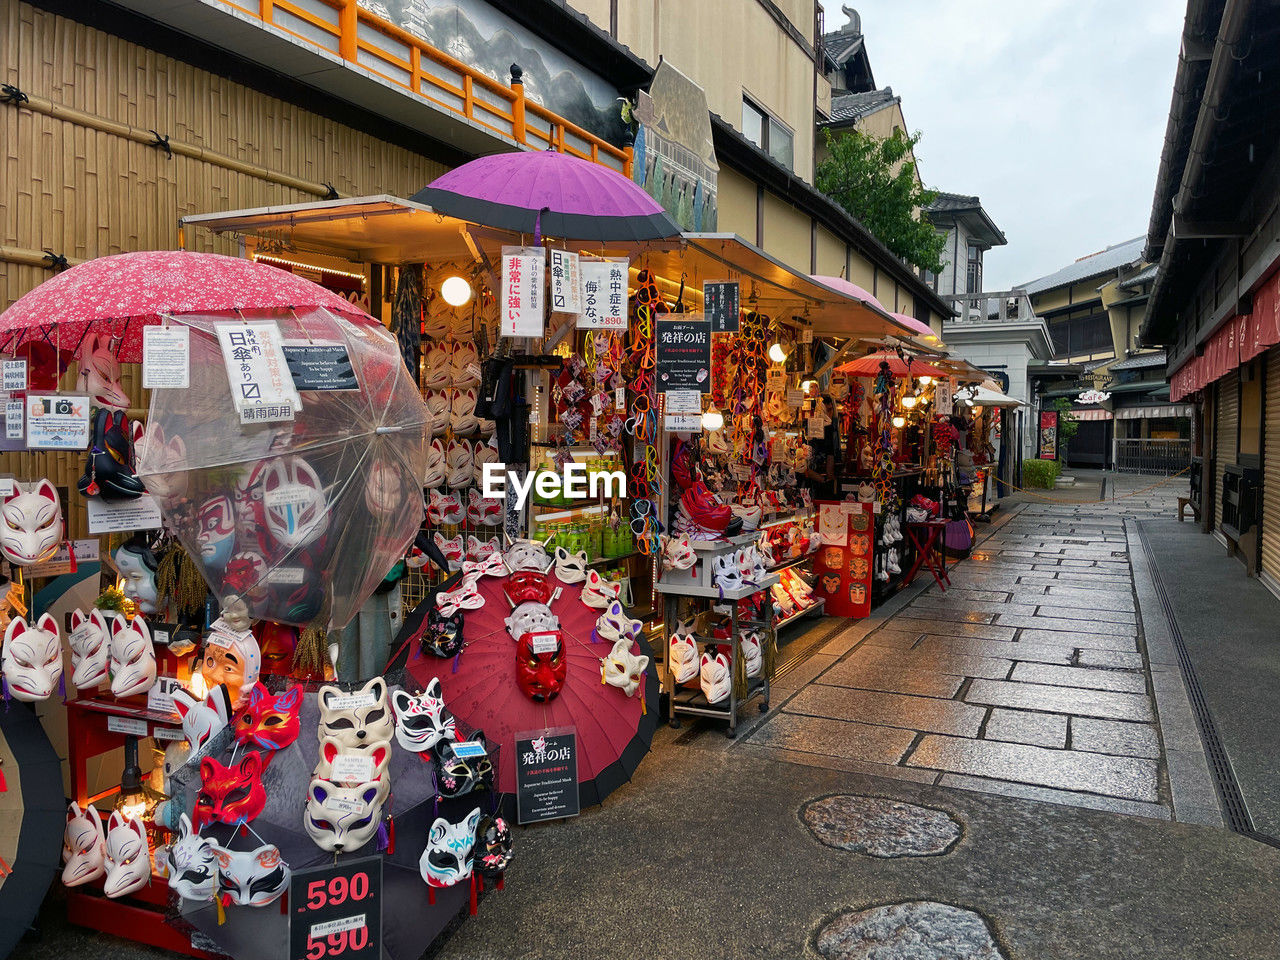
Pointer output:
x,y
715,593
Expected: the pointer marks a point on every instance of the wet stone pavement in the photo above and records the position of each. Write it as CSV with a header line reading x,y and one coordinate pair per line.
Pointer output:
x,y
1027,677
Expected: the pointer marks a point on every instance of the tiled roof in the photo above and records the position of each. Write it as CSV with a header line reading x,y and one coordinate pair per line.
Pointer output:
x,y
1142,276
1093,265
855,106
953,202
840,46
1142,361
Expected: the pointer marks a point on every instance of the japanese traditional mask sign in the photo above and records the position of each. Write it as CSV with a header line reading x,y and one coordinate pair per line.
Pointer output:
x,y
541,665
422,721
529,617
32,527
231,659
32,658
449,855
341,819
251,878
364,715
231,794
128,863
457,776
201,722
623,669
90,642
375,757
137,566
193,864
133,659
293,499
84,846
493,847
270,720
216,533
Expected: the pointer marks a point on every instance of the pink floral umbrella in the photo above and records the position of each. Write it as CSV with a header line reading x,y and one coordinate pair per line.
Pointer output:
x,y
119,295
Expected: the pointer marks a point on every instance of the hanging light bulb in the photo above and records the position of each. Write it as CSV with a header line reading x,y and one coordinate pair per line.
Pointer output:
x,y
926,380
777,354
899,422
807,385
456,291
713,419
909,401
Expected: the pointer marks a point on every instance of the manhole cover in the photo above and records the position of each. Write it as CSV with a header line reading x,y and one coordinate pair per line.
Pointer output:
x,y
918,930
880,827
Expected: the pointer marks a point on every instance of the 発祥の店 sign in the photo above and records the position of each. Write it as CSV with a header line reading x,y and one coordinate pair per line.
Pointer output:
x,y
683,354
546,776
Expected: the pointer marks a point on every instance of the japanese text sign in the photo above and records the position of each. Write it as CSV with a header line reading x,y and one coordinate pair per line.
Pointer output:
x,y
523,278
604,294
261,386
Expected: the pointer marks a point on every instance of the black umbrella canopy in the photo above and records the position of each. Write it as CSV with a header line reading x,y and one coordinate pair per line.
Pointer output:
x,y
544,193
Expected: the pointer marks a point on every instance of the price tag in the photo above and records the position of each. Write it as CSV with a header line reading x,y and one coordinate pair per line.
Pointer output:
x,y
345,805
806,334
291,495
166,357
14,376
216,638
287,575
127,725
683,401
544,642
160,696
14,420
335,911
351,768
795,397
6,487
168,733
81,633
815,428
353,701
620,398
682,423
468,749
776,381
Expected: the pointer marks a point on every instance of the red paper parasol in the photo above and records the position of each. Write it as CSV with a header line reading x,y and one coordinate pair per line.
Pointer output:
x,y
123,293
613,730
869,366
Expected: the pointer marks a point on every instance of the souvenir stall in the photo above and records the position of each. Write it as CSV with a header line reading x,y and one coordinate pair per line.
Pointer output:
x,y
204,561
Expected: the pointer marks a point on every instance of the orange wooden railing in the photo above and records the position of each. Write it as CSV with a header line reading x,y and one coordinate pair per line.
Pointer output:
x,y
363,38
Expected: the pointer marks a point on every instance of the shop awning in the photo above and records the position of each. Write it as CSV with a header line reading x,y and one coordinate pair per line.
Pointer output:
x,y
1237,341
1091,414
1152,412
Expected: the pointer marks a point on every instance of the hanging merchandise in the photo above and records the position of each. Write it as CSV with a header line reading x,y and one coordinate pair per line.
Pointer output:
x,y
133,657
84,846
127,864
32,523
450,852
251,878
32,659
193,864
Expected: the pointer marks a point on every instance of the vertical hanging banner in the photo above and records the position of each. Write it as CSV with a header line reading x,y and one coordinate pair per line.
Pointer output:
x,y
604,294
944,397
261,386
720,306
566,282
1049,435
523,277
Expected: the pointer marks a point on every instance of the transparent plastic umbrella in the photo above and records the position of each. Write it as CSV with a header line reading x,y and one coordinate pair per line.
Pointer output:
x,y
295,521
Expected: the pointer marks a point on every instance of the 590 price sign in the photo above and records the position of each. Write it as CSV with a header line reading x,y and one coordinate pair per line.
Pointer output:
x,y
336,911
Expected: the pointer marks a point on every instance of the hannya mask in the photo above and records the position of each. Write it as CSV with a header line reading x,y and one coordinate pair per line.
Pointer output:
x,y
493,847
541,665
251,878
193,864
217,533
529,617
90,641
100,372
137,566
230,794
443,634
752,653
201,722
128,863
294,502
614,625
597,592
623,669
716,677
571,567
270,720
358,717
84,846
133,659
449,855
32,658
376,754
527,555
526,586
457,776
678,554
232,660
683,659
422,721
32,526
342,819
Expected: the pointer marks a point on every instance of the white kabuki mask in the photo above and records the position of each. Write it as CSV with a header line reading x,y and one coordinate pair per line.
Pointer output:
x,y
193,864
294,502
32,659
449,854
377,753
530,617
363,716
423,721
624,669
139,579
90,641
133,659
201,722
32,526
716,677
84,846
128,863
252,878
342,819
527,555
683,658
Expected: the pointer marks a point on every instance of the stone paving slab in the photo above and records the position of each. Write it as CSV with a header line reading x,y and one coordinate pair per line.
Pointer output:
x,y
818,734
1114,737
1070,798
1021,605
932,661
869,675
1023,726
1088,599
1126,777
1110,659
999,649
1121,681
953,629
1059,623
891,709
1035,696
1092,640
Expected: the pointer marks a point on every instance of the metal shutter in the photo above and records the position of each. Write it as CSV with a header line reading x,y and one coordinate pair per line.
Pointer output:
x,y
1271,467
1228,423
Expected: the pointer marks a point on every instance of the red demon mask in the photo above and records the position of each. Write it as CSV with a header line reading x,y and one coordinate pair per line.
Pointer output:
x,y
230,794
527,585
270,721
541,665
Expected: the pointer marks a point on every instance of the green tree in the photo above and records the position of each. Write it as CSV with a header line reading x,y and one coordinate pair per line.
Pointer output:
x,y
874,179
1068,425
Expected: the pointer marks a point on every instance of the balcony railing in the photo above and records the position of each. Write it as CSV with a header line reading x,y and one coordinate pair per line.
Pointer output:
x,y
1162,457
343,28
1004,306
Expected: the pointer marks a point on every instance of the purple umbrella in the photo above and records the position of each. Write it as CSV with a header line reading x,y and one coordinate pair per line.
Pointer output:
x,y
545,192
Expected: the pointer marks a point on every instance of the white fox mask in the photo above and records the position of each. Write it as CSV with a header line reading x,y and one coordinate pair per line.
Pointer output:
x,y
84,846
128,862
624,669
90,641
133,659
32,658
32,527
362,716
449,855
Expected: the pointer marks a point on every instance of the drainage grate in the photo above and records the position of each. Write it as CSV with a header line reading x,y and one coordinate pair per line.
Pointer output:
x,y
1228,787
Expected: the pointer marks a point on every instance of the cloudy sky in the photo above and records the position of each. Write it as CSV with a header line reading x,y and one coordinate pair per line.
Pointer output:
x,y
1052,111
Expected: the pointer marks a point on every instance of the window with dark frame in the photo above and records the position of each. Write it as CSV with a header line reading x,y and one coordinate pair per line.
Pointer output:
x,y
973,277
768,133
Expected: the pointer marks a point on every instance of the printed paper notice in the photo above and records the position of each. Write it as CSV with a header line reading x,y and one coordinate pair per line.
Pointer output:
x,y
166,357
140,514
262,387
523,275
566,282
57,423
14,419
604,294
14,376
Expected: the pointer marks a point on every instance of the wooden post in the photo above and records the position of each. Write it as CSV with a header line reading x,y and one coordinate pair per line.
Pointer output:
x,y
517,105
348,17
628,161
265,10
